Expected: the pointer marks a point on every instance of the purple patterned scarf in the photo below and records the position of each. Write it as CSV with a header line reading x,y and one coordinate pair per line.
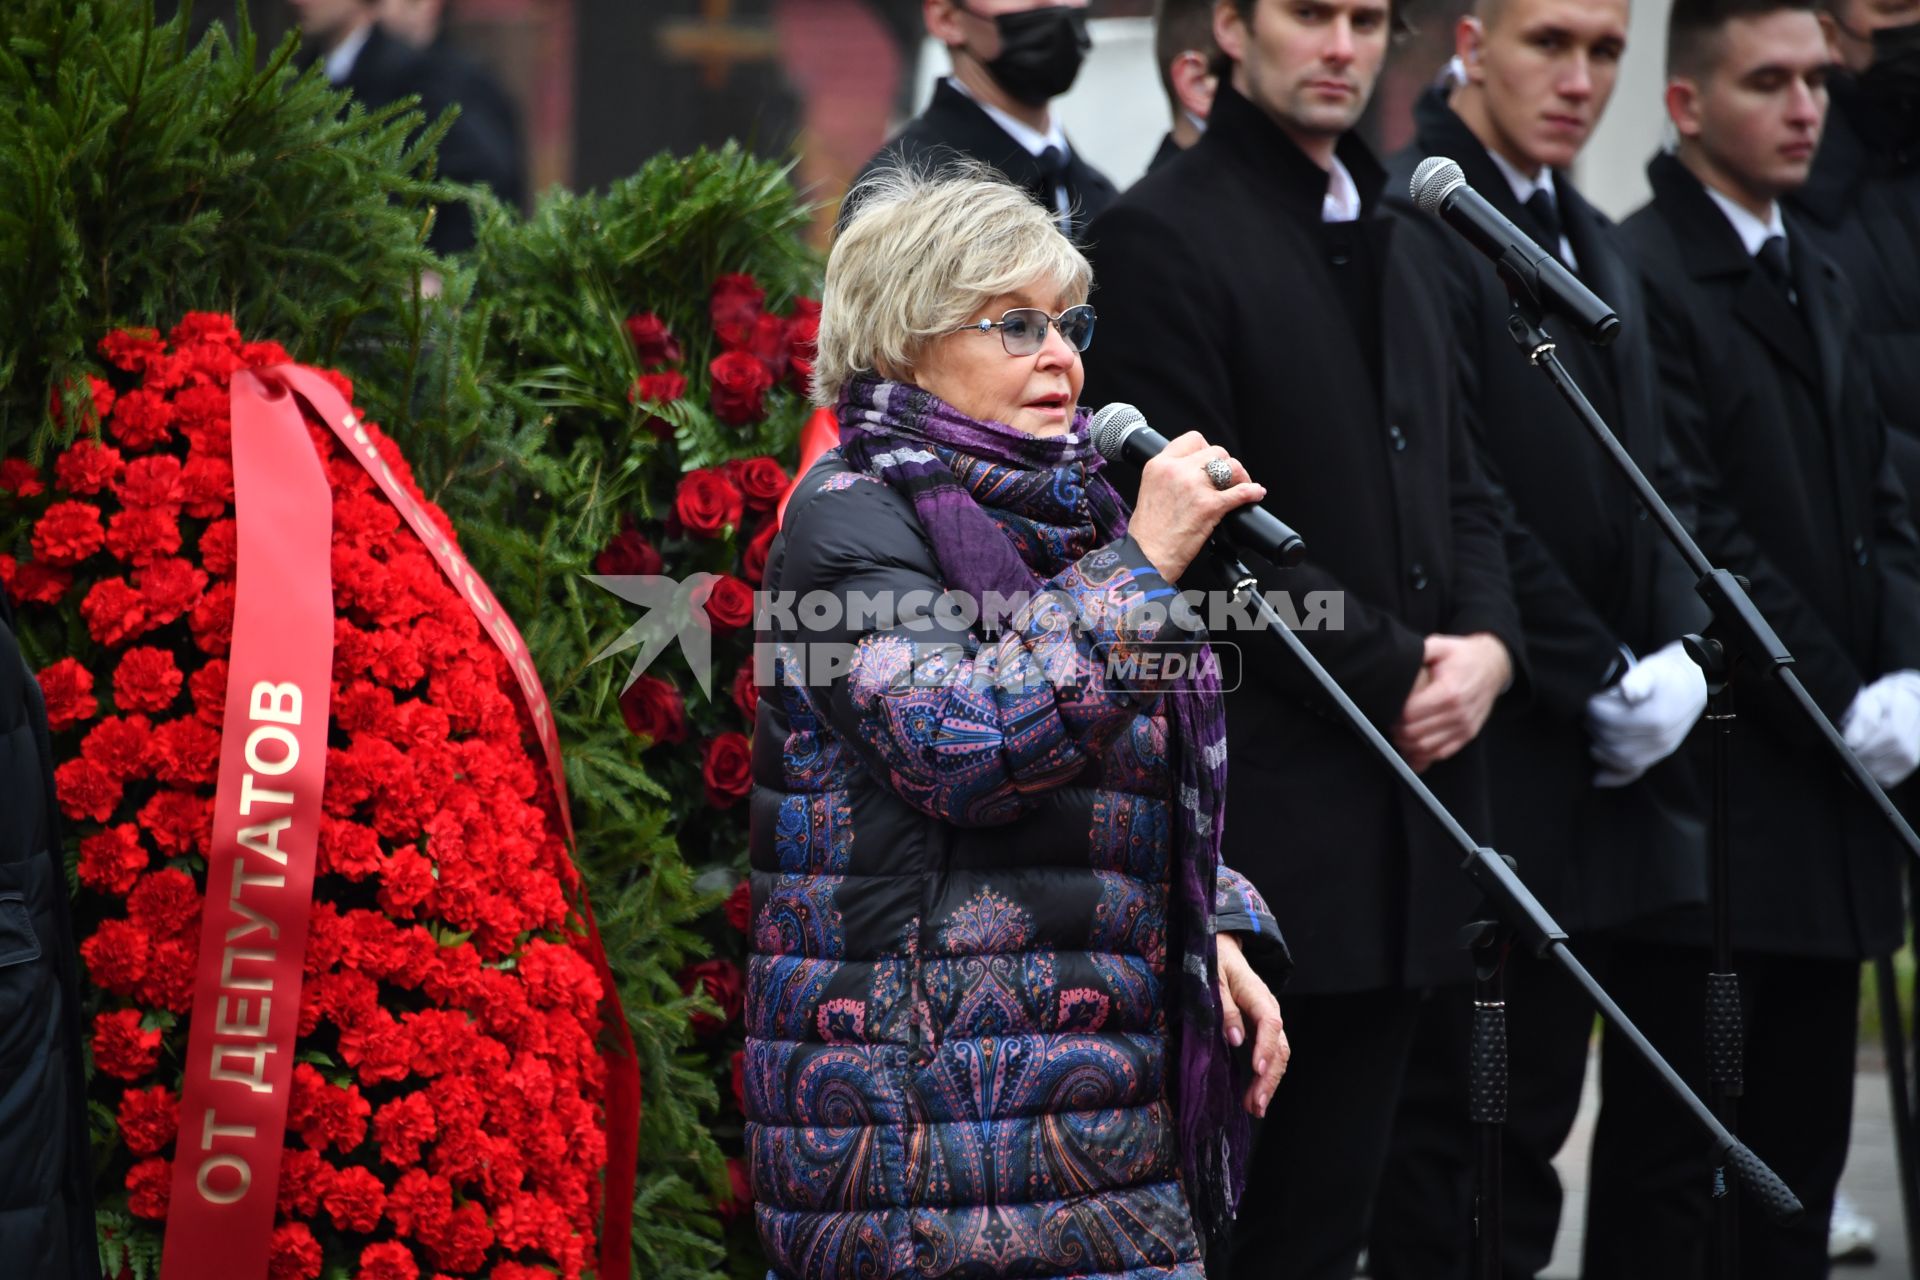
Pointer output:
x,y
1055,481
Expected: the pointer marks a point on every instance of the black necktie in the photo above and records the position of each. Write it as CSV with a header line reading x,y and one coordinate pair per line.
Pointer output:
x,y
1053,166
1778,267
1547,214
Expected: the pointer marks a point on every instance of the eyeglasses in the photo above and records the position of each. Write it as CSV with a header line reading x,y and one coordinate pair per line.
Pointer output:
x,y
1023,330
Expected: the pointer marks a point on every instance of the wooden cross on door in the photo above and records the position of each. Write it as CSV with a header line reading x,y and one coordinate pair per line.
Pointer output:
x,y
715,44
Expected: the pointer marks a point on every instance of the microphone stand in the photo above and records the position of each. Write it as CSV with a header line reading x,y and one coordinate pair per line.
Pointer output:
x,y
1519,919
1743,643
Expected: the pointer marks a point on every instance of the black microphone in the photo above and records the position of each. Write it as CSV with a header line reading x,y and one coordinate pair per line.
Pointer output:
x,y
1121,434
1441,189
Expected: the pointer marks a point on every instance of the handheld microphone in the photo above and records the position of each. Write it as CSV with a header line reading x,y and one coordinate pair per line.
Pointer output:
x,y
1440,188
1121,434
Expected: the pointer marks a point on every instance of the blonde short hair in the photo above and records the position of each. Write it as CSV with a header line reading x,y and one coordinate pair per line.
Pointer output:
x,y
918,256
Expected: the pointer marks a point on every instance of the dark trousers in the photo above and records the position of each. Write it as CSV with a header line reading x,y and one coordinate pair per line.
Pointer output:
x,y
1318,1155
1650,1171
1649,1212
1423,1220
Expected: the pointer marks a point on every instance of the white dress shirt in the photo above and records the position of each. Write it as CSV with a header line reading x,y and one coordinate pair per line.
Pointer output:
x,y
1032,141
1753,232
1342,202
1523,189
340,62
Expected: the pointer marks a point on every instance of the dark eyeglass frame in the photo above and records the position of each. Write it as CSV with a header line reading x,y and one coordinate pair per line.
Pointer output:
x,y
1040,322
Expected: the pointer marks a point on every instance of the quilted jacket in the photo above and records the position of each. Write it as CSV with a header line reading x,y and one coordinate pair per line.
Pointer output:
x,y
957,1054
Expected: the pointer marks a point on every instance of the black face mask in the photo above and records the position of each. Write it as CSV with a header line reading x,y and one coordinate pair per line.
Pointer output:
x,y
1040,52
1894,76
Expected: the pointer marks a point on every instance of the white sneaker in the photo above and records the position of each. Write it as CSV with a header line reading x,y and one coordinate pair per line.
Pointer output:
x,y
1849,1232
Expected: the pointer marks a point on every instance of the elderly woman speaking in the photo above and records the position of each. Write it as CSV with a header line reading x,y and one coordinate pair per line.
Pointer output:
x,y
998,970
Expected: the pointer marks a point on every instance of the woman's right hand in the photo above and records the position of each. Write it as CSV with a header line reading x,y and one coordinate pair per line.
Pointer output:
x,y
1179,506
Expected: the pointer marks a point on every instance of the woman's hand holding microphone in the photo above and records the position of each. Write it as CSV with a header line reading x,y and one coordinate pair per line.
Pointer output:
x,y
1180,504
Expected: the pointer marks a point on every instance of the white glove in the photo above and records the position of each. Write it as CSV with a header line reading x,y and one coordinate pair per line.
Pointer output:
x,y
1646,716
1883,727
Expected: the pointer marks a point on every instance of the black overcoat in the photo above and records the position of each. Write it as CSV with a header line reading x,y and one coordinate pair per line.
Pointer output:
x,y
1591,571
46,1175
1219,312
954,126
1785,448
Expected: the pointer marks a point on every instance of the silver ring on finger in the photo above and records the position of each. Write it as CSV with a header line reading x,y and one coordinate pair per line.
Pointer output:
x,y
1220,471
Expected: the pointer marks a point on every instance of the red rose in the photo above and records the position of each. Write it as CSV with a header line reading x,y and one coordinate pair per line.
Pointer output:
x,y
148,1186
654,710
111,860
724,985
87,467
147,679
803,339
739,908
121,1048
707,501
768,342
390,1260
294,1254
734,307
739,1199
628,553
67,533
727,769
116,956
68,689
761,481
737,1072
86,790
740,382
728,602
746,692
657,389
653,345
149,1119
21,478
354,1199
753,560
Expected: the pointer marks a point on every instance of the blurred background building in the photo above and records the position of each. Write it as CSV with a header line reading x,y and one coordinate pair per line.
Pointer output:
x,y
603,84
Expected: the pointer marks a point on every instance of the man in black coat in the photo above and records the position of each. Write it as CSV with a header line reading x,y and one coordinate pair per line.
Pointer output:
x,y
1775,415
1188,59
361,56
46,1173
1862,202
1253,290
1011,58
421,24
1605,834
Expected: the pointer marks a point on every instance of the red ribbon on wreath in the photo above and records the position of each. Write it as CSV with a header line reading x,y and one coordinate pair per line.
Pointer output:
x,y
236,1088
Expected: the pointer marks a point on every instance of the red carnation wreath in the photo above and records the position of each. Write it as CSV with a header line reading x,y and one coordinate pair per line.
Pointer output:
x,y
447,1114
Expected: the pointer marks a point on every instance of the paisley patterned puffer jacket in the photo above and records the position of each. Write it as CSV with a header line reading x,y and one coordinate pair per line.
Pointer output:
x,y
957,1059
